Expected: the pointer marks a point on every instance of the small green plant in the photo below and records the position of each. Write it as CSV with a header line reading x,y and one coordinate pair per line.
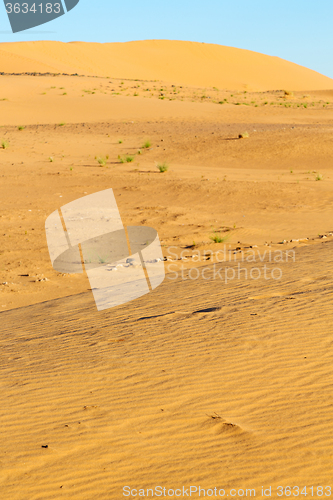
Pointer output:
x,y
120,141
218,238
101,161
146,145
125,159
62,124
319,177
51,159
21,127
162,167
4,144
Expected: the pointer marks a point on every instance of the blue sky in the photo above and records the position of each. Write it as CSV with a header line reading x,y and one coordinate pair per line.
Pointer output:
x,y
299,31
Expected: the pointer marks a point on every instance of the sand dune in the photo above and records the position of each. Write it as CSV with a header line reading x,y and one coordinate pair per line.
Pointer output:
x,y
200,382
196,384
179,62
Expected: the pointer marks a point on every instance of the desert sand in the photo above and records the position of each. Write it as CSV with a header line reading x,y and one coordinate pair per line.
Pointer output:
x,y
201,382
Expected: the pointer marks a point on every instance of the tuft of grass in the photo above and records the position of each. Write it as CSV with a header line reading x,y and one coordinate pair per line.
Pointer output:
x,y
4,144
319,177
162,167
243,135
125,159
146,145
218,238
120,141
21,127
62,124
101,161
51,159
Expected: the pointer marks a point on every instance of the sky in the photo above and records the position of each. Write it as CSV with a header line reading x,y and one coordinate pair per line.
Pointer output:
x,y
299,31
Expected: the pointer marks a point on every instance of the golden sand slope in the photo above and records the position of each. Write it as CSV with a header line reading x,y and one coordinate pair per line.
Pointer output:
x,y
199,383
190,63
